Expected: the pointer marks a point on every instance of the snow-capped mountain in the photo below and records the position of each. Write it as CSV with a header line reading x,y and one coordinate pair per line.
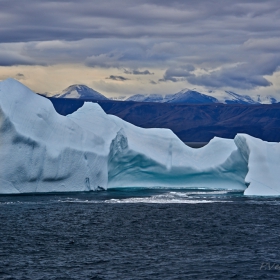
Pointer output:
x,y
184,96
146,98
269,99
80,92
234,98
188,96
118,98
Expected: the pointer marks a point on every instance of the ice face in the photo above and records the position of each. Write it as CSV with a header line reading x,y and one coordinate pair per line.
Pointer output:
x,y
41,151
169,163
263,160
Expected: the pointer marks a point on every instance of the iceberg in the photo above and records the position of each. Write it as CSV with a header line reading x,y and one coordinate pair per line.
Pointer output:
x,y
42,151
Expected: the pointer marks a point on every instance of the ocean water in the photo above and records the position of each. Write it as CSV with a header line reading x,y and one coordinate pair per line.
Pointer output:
x,y
140,234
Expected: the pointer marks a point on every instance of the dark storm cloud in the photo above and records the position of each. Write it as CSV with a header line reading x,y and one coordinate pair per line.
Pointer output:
x,y
117,78
246,75
29,20
228,39
104,60
15,57
229,78
242,76
177,74
137,72
268,45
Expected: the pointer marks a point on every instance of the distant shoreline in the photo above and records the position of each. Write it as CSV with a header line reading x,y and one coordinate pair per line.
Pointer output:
x,y
191,123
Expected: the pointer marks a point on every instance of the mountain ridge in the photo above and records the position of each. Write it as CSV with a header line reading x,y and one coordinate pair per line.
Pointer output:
x,y
191,122
185,96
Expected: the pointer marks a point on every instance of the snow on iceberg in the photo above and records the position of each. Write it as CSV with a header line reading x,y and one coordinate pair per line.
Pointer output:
x,y
42,151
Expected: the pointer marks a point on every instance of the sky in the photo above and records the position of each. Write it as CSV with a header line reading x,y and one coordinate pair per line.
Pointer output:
x,y
126,47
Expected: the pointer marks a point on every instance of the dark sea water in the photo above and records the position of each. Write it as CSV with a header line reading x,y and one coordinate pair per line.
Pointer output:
x,y
140,234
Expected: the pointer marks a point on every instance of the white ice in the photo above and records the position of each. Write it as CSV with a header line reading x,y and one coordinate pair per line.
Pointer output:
x,y
263,160
42,151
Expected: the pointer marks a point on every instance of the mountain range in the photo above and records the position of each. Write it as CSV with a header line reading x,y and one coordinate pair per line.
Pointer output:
x,y
185,96
190,122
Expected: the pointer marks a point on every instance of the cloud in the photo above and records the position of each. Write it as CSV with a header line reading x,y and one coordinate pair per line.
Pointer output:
x,y
10,57
177,74
137,72
71,20
165,48
20,76
245,75
117,78
242,76
47,45
148,34
220,79
103,60
263,44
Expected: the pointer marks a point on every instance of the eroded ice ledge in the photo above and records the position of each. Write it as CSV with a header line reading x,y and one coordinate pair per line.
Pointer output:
x,y
42,151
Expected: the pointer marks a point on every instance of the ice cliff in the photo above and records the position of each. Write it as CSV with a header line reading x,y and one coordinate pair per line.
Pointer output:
x,y
263,161
42,151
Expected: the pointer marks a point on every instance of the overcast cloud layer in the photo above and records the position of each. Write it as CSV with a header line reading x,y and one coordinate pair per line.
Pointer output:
x,y
215,44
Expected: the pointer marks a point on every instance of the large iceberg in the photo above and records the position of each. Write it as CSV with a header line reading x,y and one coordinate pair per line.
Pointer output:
x,y
42,151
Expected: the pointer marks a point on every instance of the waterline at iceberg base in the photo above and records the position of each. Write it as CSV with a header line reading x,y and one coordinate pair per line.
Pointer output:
x,y
42,151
